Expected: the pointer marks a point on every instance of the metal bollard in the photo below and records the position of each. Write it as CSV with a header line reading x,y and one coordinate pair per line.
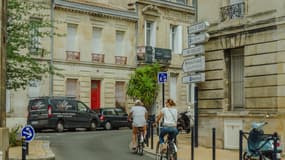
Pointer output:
x,y
151,136
275,137
192,143
24,148
240,144
214,143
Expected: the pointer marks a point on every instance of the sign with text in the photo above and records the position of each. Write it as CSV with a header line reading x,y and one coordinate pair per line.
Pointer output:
x,y
198,38
200,77
194,65
198,27
196,50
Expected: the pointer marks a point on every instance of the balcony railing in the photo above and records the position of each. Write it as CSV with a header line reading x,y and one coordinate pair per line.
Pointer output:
x,y
232,11
73,55
98,58
121,60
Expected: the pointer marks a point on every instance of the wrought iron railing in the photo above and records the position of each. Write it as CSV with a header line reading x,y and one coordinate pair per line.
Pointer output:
x,y
72,55
121,60
232,11
98,58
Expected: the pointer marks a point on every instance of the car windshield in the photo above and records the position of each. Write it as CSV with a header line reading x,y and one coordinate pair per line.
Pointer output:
x,y
120,112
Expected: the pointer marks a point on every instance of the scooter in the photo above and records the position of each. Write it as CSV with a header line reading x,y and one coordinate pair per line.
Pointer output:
x,y
260,146
183,122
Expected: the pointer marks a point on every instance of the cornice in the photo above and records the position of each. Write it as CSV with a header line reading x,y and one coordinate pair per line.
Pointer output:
x,y
168,5
85,8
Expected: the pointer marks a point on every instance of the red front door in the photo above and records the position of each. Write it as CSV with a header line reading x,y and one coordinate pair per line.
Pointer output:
x,y
95,94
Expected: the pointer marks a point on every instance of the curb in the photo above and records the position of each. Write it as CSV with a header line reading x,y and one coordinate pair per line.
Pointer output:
x,y
45,146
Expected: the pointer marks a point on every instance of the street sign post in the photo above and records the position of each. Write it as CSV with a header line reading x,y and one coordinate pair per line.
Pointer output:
x,y
193,51
200,77
28,132
198,27
198,38
194,64
162,77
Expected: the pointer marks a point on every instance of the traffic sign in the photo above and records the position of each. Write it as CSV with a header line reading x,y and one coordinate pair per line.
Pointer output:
x,y
28,132
198,27
162,77
200,77
192,51
198,38
193,65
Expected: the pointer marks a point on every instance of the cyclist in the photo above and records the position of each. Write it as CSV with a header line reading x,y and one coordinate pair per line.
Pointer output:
x,y
169,125
139,115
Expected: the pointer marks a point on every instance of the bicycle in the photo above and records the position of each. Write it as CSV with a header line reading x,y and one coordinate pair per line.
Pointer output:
x,y
171,150
140,141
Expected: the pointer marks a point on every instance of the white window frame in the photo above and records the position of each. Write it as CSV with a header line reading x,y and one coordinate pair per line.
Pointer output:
x,y
34,88
97,40
173,86
190,93
35,34
72,37
175,35
237,56
120,43
152,33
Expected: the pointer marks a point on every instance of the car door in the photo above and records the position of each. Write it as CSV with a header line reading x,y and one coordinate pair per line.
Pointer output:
x,y
83,115
65,109
122,117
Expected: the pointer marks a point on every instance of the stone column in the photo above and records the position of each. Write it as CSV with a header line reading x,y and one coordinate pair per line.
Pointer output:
x,y
4,132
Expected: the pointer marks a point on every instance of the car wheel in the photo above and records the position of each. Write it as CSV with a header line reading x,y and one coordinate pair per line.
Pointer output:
x,y
59,126
108,126
92,126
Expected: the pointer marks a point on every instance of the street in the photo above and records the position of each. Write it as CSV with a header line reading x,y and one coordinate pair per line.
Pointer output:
x,y
96,145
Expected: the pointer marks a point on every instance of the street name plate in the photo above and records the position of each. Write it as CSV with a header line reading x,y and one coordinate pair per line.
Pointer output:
x,y
198,38
200,77
198,27
193,65
200,49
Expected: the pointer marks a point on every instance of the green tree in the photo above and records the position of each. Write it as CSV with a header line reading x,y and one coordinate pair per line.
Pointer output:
x,y
143,84
28,25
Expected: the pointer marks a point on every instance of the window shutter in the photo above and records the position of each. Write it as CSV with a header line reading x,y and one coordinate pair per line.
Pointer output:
x,y
173,82
71,37
179,39
119,43
97,44
153,34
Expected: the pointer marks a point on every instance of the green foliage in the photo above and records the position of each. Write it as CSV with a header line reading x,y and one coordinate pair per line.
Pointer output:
x,y
28,25
143,84
13,137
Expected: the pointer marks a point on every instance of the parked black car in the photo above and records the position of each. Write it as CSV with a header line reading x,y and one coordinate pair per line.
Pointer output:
x,y
60,113
113,118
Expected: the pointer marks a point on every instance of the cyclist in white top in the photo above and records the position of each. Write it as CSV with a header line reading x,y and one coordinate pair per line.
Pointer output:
x,y
139,115
169,126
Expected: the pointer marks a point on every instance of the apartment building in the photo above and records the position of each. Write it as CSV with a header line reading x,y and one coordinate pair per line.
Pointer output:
x,y
245,76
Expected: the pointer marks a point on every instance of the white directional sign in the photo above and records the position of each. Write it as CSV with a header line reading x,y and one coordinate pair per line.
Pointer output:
x,y
200,77
193,65
199,49
198,27
199,38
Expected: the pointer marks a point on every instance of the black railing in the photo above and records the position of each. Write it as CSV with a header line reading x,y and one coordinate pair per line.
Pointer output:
x,y
232,11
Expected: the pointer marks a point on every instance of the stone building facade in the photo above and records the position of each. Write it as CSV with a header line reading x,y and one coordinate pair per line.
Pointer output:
x,y
245,69
98,51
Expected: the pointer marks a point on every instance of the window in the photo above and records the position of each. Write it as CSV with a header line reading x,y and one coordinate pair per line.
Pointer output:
x,y
236,76
150,34
72,37
172,87
8,101
97,40
176,39
34,88
180,1
72,89
35,35
120,48
120,94
194,3
190,93
81,107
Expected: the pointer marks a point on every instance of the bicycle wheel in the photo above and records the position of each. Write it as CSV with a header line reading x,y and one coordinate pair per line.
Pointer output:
x,y
171,153
160,155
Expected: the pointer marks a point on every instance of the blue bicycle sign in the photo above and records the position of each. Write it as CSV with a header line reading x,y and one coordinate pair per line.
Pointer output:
x,y
28,132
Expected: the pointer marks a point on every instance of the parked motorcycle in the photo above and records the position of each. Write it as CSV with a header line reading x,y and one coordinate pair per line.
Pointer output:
x,y
184,122
260,146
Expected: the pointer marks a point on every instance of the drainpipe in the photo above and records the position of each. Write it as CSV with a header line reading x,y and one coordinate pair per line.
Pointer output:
x,y
51,45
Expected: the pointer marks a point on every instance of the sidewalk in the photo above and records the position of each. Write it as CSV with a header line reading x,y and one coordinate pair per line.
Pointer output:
x,y
38,150
200,153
